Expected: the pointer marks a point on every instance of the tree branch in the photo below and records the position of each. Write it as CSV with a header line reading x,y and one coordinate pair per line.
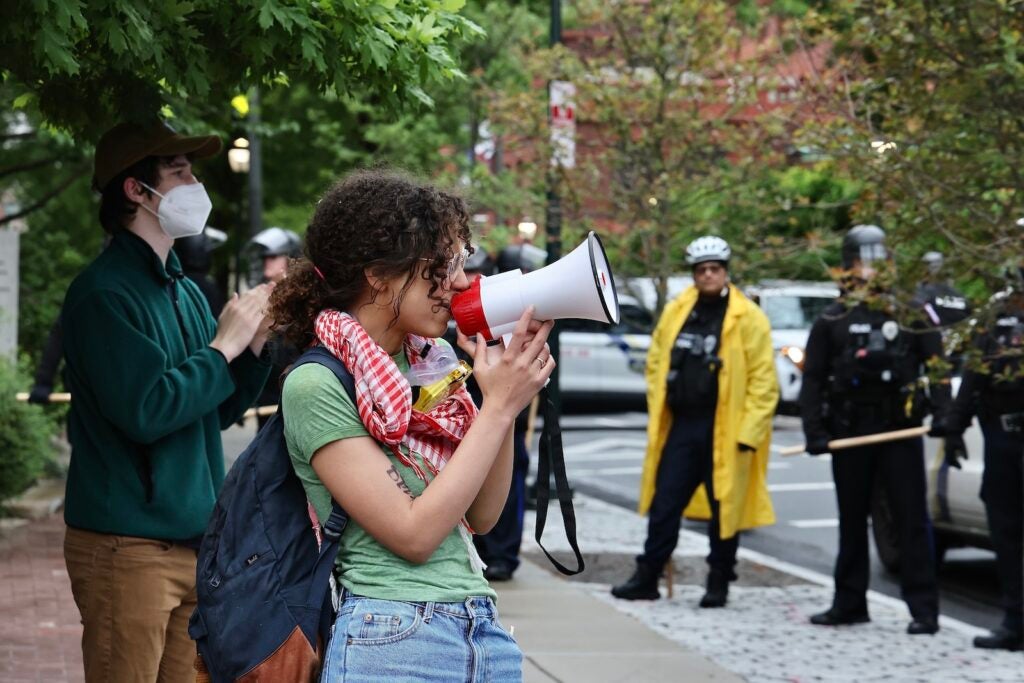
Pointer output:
x,y
27,166
46,198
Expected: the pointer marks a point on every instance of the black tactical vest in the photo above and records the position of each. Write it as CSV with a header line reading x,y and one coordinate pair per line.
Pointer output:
x,y
1004,352
693,372
875,357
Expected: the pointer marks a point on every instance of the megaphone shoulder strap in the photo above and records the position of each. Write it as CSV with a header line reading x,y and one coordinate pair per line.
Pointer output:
x,y
551,458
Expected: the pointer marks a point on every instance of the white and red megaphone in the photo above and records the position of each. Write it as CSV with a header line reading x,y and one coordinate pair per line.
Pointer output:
x,y
577,286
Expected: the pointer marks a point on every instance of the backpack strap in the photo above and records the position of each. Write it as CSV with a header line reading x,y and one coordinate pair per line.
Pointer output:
x,y
335,524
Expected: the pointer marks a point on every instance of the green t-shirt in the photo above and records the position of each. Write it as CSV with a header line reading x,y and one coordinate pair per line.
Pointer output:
x,y
318,411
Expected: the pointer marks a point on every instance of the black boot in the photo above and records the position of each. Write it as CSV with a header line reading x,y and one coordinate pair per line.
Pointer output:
x,y
717,592
1001,639
643,585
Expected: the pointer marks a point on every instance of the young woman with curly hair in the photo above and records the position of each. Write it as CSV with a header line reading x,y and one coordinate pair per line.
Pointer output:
x,y
384,258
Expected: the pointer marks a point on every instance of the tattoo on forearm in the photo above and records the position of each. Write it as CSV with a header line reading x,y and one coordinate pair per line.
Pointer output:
x,y
397,478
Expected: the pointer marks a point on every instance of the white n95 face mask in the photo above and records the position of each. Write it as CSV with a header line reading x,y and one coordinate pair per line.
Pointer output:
x,y
183,211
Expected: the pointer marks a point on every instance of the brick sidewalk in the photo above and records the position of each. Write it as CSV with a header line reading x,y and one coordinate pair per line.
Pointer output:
x,y
40,634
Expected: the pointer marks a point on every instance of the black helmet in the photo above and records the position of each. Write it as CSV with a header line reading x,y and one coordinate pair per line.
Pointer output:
x,y
934,261
479,262
864,243
276,242
524,257
194,251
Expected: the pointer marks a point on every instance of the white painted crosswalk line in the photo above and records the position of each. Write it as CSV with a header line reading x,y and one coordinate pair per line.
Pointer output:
x,y
607,445
608,471
620,455
801,486
814,523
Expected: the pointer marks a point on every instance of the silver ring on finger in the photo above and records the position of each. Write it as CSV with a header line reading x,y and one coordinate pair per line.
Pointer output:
x,y
542,361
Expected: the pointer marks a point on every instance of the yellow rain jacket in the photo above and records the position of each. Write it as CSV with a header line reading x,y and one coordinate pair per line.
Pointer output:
x,y
747,393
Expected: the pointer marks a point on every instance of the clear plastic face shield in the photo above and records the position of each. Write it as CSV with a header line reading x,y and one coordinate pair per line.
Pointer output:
x,y
869,256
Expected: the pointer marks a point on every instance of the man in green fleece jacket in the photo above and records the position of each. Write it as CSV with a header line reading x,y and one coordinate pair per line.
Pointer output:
x,y
154,379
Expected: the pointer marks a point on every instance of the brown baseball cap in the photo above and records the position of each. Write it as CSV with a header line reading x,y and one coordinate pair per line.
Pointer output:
x,y
128,143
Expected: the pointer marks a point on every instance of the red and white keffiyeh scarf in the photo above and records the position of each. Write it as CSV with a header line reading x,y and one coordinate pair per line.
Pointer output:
x,y
384,396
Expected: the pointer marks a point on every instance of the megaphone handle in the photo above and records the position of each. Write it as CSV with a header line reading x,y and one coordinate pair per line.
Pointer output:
x,y
551,455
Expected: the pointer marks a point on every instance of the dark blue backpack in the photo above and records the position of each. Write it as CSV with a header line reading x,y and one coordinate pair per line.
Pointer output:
x,y
264,603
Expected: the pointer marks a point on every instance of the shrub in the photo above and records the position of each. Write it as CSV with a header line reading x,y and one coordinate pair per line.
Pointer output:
x,y
25,433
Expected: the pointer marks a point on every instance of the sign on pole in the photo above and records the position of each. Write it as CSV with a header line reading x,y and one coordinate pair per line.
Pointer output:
x,y
562,98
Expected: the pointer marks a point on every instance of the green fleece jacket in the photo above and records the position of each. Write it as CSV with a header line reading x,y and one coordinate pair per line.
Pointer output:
x,y
149,396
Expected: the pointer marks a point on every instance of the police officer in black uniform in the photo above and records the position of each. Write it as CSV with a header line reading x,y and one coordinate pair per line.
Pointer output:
x,y
269,252
995,393
861,377
943,303
196,255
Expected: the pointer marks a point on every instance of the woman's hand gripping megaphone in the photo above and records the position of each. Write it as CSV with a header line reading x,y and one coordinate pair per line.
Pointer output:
x,y
509,377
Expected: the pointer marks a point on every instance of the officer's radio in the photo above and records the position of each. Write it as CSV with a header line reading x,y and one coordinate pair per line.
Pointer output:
x,y
692,382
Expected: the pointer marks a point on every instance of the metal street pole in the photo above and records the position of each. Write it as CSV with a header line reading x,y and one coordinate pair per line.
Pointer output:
x,y
255,166
553,217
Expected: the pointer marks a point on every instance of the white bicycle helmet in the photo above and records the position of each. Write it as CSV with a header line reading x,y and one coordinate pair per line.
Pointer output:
x,y
709,248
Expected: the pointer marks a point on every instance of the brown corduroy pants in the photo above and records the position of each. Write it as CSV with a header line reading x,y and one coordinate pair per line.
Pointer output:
x,y
135,596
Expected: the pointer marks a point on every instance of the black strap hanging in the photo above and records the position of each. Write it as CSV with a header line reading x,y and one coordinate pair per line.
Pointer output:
x,y
552,457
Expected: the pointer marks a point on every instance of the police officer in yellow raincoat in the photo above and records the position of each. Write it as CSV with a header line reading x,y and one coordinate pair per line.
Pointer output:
x,y
711,395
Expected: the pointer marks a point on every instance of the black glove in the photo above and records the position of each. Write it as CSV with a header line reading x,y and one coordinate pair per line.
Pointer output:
x,y
954,450
40,394
817,445
939,427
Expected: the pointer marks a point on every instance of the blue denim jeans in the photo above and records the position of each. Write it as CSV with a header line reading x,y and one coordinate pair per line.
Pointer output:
x,y
387,640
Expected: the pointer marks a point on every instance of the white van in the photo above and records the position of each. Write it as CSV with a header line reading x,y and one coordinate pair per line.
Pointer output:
x,y
791,307
602,364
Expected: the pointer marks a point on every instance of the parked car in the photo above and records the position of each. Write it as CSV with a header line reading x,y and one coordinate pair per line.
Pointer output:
x,y
791,307
954,504
604,364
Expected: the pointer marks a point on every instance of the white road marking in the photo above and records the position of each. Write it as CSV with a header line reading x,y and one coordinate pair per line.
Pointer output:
x,y
608,471
801,486
814,523
624,455
608,444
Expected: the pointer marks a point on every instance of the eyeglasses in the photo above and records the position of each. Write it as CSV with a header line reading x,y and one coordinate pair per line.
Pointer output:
x,y
457,263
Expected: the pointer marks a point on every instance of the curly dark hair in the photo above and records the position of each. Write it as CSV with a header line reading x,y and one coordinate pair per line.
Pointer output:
x,y
378,219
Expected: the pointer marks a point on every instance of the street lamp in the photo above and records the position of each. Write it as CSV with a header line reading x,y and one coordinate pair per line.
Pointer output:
x,y
527,229
238,156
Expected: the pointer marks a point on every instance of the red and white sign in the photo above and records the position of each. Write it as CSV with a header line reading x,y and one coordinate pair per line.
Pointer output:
x,y
562,114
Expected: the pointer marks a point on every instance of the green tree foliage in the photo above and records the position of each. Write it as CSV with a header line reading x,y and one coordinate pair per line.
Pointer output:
x,y
87,65
24,436
69,70
922,105
672,141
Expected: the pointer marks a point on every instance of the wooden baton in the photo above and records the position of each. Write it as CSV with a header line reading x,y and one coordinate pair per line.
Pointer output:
x,y
54,398
261,411
865,440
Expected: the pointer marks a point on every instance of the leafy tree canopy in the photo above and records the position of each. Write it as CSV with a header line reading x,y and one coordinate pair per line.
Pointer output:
x,y
85,65
922,105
